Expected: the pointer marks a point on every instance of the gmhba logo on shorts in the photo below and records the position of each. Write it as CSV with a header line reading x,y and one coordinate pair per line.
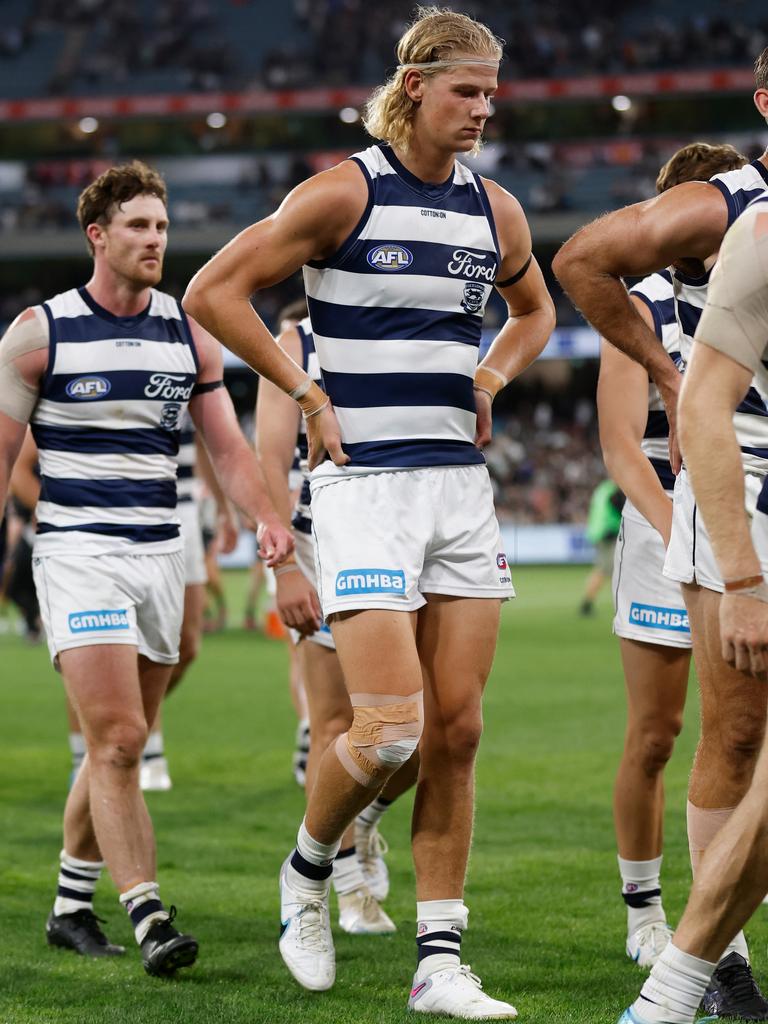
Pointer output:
x,y
370,581
652,616
87,388
390,257
98,620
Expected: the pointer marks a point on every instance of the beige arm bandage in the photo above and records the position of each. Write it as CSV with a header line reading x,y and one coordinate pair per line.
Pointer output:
x,y
385,731
26,334
310,397
489,380
735,319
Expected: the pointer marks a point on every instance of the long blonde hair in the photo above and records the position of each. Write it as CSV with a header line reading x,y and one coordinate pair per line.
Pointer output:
x,y
436,34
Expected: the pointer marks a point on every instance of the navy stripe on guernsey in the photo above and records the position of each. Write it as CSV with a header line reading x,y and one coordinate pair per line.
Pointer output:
x,y
396,315
107,425
186,460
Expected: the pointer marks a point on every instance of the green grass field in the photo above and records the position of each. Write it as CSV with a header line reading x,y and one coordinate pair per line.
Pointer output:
x,y
546,923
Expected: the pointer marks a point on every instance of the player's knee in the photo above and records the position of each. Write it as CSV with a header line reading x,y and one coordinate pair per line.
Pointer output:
x,y
327,730
120,745
741,738
384,733
652,741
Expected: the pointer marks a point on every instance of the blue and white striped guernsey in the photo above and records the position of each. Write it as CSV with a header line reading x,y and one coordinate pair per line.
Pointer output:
x,y
658,293
187,484
740,187
396,316
302,515
107,426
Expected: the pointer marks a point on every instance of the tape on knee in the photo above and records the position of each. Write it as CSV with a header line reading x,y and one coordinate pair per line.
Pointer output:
x,y
385,732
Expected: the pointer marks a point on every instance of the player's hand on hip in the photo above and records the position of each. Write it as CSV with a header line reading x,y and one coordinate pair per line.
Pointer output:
x,y
744,633
484,427
297,603
275,542
324,436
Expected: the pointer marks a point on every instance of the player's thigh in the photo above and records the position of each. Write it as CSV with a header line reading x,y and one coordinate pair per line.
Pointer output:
x,y
456,642
102,683
731,701
656,678
153,683
377,651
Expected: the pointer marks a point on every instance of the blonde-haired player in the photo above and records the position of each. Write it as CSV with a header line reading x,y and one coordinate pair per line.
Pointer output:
x,y
401,246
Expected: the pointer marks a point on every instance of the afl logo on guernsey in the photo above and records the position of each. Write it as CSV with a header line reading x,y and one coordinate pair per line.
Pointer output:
x,y
87,388
390,257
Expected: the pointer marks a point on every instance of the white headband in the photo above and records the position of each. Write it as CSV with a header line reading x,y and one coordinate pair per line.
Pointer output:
x,y
453,63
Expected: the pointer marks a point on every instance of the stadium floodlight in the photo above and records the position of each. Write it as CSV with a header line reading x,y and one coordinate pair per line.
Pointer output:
x,y
349,115
88,125
216,120
621,103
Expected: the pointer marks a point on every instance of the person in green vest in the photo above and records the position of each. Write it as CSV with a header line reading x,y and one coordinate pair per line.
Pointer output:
x,y
603,523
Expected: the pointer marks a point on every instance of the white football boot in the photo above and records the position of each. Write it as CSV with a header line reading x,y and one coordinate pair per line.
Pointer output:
x,y
306,943
371,847
154,775
646,945
457,992
360,914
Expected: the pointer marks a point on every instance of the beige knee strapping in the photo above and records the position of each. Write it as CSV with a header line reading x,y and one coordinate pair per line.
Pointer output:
x,y
384,733
703,825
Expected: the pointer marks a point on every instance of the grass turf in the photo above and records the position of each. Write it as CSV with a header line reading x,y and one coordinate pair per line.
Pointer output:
x,y
546,923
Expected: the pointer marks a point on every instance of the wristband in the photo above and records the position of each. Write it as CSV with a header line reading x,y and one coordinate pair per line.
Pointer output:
x,y
745,583
476,387
310,396
289,565
489,380
309,415
750,586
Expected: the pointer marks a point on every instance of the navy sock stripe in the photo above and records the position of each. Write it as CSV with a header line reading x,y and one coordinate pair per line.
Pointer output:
x,y
152,757
349,852
636,900
76,877
383,802
317,872
424,951
144,910
74,894
435,936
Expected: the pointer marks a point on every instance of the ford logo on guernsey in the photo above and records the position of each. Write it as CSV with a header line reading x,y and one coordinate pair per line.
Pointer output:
x,y
96,621
390,257
370,581
86,388
652,616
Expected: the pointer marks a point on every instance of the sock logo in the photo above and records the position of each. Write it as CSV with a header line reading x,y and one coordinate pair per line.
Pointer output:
x,y
631,887
422,929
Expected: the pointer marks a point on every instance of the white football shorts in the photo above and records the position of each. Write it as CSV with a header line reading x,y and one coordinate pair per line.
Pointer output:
x,y
690,558
192,533
305,559
112,599
386,539
649,607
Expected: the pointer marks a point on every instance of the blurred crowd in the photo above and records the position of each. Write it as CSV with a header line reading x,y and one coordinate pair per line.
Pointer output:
x,y
195,44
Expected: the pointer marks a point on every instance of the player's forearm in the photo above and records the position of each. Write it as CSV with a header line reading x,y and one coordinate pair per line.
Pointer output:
x,y
629,468
231,319
605,303
713,460
276,476
242,481
520,341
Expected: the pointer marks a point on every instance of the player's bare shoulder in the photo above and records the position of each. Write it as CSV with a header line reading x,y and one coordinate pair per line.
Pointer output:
x,y
332,201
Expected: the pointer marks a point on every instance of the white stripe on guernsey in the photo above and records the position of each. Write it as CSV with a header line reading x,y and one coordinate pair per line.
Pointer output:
x,y
79,515
416,291
313,366
394,422
120,415
111,354
187,454
343,355
655,447
109,466
68,304
374,161
164,305
397,223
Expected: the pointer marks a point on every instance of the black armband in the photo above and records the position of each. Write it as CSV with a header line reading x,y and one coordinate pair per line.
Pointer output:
x,y
210,385
515,277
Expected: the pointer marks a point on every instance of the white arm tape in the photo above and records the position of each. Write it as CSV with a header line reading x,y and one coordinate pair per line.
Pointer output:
x,y
17,397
